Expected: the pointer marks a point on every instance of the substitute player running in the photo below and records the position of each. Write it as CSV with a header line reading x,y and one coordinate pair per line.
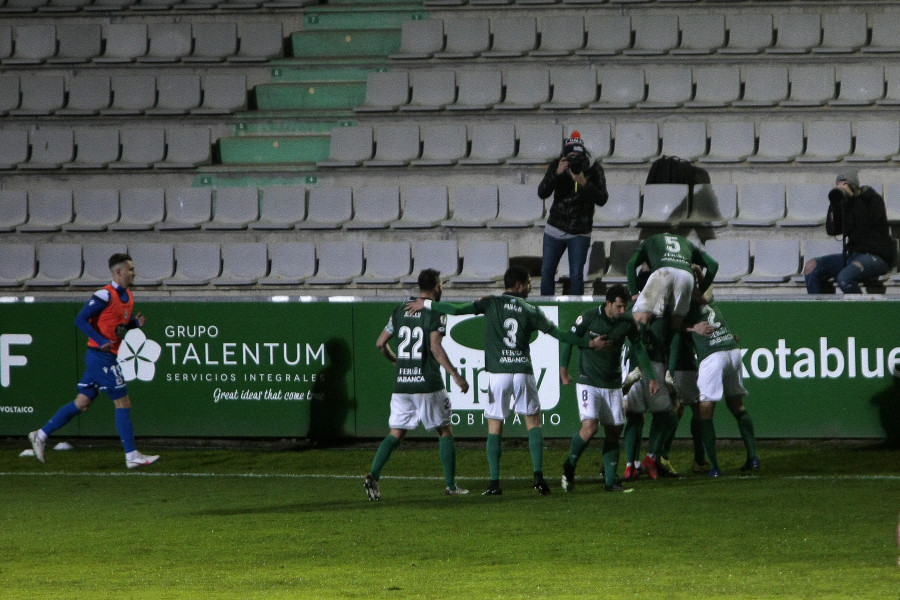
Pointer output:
x,y
105,319
509,323
419,395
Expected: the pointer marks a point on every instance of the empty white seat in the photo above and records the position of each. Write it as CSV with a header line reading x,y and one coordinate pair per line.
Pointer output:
x,y
196,263
186,208
512,36
13,209
424,206
40,95
441,255
374,207
223,93
518,206
154,262
96,263
597,136
420,39
634,143
526,89
51,147
622,207
620,88
774,261
667,87
13,147
465,37
620,252
290,263
473,205
843,32
258,41
349,146
386,263
131,94
892,202
875,141
77,43
477,90
561,35
700,33
760,204
339,263
281,207
664,204
805,205
48,210
88,95
715,204
33,45
653,34
328,207
811,85
779,142
395,145
827,141
442,145
733,256
213,42
385,91
729,141
715,87
95,147
141,148
243,263
573,88
538,143
186,148
484,262
748,33
234,208
685,139
859,85
176,94
491,144
764,85
10,94
169,42
17,263
6,44
885,33
125,42
796,33
140,209
95,209
431,90
58,264
22,6
606,34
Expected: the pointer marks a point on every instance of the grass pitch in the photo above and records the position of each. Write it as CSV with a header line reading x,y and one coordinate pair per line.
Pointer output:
x,y
818,522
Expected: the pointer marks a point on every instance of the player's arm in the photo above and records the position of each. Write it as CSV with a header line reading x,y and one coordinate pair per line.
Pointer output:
x,y
631,271
640,353
440,355
712,267
445,308
90,310
383,343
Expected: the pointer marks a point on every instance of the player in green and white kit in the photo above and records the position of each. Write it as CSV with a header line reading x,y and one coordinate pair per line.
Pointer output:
x,y
599,383
419,395
509,324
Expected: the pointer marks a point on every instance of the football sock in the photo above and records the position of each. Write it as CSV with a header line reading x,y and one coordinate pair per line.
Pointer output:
x,y
745,426
536,446
610,461
494,450
659,429
448,460
670,438
709,442
385,449
126,431
697,436
634,430
62,416
575,449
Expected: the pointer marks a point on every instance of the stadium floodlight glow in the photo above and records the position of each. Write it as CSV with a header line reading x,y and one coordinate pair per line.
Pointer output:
x,y
341,298
28,299
307,298
8,299
280,298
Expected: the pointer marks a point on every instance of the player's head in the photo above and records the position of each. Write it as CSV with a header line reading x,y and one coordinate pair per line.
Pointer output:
x,y
616,301
122,268
517,281
430,283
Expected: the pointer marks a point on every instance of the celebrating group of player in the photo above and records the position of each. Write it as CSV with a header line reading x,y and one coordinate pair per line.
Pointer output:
x,y
687,356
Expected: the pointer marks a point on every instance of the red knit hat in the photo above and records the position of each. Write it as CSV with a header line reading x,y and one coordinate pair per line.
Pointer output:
x,y
574,143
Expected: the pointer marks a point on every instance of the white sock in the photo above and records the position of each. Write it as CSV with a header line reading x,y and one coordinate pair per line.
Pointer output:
x,y
41,435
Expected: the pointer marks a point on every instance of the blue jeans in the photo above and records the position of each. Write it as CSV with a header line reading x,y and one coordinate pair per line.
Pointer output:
x,y
578,247
859,267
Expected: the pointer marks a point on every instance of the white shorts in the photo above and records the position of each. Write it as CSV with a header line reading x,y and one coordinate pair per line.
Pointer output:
x,y
666,287
686,385
639,398
431,410
511,392
603,404
720,376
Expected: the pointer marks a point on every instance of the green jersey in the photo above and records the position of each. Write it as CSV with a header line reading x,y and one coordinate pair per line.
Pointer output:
x,y
509,322
666,250
721,339
602,368
418,372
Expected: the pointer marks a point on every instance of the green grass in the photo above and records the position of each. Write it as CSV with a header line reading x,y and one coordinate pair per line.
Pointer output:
x,y
210,523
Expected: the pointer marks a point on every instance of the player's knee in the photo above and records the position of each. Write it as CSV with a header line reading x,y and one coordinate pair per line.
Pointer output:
x,y
589,428
809,267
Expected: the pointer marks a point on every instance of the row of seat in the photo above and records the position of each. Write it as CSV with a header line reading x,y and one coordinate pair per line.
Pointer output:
x,y
619,88
456,3
529,143
249,263
410,207
93,147
153,43
649,34
118,94
65,6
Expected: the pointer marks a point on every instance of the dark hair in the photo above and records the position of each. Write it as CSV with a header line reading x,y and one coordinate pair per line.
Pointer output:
x,y
616,292
515,274
429,279
118,258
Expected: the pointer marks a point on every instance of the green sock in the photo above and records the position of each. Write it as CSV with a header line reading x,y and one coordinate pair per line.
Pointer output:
x,y
536,445
494,449
385,449
575,449
659,430
697,436
670,437
634,431
448,460
610,461
709,442
745,426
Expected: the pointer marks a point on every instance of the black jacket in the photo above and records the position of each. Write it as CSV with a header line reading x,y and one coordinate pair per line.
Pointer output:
x,y
572,210
862,220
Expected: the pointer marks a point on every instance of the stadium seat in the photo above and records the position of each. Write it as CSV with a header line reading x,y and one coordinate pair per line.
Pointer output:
x,y
281,207
186,148
814,248
774,261
512,36
13,209
605,34
9,93
620,252
186,208
141,148
58,264
169,42
95,147
473,205
538,143
665,204
443,144
875,141
213,42
22,6
395,145
223,93
196,263
715,204
349,147
892,202
826,141
477,90
635,143
465,38
715,87
733,256
424,207
518,206
805,205
843,33
339,263
561,35
764,86
328,207
729,141
796,33
13,148
17,264
526,89
125,42
154,262
484,262
620,88
654,34
667,87
140,209
41,95
51,148
420,39
96,263
702,33
6,42
258,41
131,94
290,263
748,33
234,208
859,85
780,141
760,205
95,209
88,95
573,88
176,94
811,85
885,34
77,43
34,44
374,207
442,255
597,136
386,91
685,139
243,263
491,144
386,263
622,207
431,90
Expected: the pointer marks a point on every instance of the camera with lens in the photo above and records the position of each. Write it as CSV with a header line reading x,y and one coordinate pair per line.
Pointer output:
x,y
576,162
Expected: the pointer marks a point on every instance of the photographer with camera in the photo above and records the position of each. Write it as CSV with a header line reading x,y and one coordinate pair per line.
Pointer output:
x,y
578,184
859,215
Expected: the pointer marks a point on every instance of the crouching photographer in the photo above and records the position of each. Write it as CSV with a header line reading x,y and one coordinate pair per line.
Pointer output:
x,y
858,214
578,184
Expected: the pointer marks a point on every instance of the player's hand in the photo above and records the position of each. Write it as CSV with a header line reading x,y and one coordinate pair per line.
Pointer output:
x,y
415,306
654,387
564,377
107,347
140,319
601,342
461,383
703,328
